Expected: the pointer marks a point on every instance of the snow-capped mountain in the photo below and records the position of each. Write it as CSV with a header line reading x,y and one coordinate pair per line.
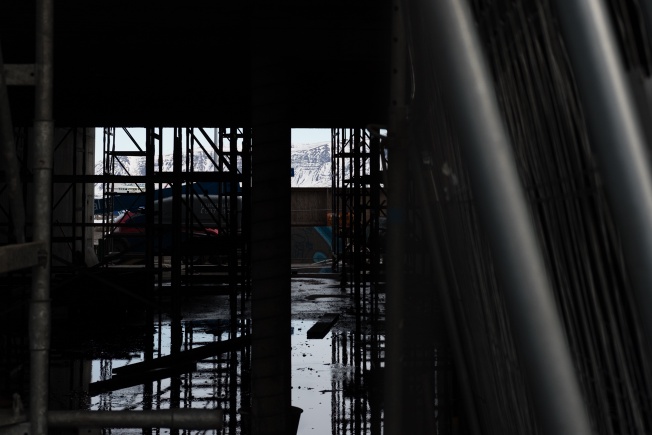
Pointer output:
x,y
311,164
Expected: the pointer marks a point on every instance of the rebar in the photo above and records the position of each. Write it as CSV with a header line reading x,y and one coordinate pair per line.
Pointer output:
x,y
468,91
614,126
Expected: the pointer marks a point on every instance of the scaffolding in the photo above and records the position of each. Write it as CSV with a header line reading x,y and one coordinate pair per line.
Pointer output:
x,y
73,232
359,224
518,226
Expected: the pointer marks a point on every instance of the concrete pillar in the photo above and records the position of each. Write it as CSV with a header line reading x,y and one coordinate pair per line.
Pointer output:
x,y
396,368
270,226
73,204
85,150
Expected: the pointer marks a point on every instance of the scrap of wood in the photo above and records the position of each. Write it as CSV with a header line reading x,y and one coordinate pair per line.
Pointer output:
x,y
323,326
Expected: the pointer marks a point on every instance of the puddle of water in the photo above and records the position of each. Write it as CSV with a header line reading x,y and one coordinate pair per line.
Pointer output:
x,y
328,386
312,381
325,384
209,386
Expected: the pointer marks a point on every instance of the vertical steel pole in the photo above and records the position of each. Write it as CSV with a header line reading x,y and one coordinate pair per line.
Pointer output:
x,y
468,90
615,130
39,317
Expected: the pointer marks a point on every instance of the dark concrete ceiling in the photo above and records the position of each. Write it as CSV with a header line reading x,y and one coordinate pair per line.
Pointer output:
x,y
188,63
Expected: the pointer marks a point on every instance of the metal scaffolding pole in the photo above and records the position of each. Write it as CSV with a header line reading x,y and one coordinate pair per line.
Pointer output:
x,y
615,129
200,419
39,317
539,337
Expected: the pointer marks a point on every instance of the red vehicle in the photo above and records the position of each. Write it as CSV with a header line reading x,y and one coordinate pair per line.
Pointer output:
x,y
203,226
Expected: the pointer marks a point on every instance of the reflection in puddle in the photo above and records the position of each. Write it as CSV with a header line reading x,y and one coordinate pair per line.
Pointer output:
x,y
207,382
326,384
312,383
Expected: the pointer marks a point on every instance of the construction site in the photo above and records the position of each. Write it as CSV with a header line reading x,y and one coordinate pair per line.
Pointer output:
x,y
479,264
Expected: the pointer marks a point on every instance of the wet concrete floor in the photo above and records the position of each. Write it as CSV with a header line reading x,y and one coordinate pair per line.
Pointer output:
x,y
329,375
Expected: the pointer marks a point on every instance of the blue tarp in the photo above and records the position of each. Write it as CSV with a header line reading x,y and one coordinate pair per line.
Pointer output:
x,y
134,201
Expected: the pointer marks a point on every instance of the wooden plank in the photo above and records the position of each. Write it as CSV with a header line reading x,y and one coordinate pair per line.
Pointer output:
x,y
191,355
131,379
165,366
323,326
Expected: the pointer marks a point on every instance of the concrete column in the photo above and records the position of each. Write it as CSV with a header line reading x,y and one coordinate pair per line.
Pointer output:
x,y
396,368
85,150
270,226
10,164
63,197
73,204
